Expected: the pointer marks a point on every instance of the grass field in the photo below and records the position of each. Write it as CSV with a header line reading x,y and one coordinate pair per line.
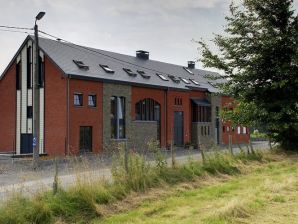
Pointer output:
x,y
263,193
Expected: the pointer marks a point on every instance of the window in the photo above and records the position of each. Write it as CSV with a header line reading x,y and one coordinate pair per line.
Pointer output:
x,y
143,74
194,82
201,113
85,139
92,100
174,78
178,101
81,65
117,117
18,76
29,67
185,80
129,72
162,77
148,110
223,129
29,112
238,130
228,129
186,69
78,99
244,130
107,69
41,72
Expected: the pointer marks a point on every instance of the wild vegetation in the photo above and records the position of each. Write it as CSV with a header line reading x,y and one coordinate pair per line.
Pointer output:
x,y
87,199
264,193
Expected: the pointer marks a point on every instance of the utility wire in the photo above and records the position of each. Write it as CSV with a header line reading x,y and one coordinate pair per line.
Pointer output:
x,y
14,31
15,27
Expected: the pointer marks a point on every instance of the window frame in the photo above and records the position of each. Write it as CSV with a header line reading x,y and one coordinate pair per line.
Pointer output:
x,y
94,100
118,125
81,100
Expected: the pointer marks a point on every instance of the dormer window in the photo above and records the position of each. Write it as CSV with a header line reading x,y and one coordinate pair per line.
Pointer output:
x,y
81,65
162,77
129,72
143,74
107,69
187,69
185,80
174,78
194,82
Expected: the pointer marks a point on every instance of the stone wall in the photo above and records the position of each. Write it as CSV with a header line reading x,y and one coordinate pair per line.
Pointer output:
x,y
143,132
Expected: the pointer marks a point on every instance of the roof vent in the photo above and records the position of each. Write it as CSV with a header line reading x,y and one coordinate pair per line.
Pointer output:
x,y
191,64
142,54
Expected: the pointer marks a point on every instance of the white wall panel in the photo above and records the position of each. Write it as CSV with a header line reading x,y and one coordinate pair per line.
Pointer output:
x,y
18,123
24,91
30,97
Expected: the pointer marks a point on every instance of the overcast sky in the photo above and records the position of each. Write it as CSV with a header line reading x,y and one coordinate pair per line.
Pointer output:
x,y
165,28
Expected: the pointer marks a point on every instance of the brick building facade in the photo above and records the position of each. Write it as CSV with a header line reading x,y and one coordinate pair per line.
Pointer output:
x,y
91,99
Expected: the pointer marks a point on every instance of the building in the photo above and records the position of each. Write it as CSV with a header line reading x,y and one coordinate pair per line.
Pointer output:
x,y
91,99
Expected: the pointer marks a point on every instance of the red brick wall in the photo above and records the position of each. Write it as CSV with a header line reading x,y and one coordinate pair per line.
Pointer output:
x,y
162,96
8,110
236,138
55,110
185,108
85,115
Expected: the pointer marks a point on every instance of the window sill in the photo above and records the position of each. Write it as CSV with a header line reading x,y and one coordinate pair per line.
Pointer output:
x,y
78,106
144,121
118,139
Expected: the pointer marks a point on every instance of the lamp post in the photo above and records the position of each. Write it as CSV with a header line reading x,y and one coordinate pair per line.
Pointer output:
x,y
36,84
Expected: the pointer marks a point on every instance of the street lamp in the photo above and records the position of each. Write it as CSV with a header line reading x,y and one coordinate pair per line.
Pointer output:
x,y
36,84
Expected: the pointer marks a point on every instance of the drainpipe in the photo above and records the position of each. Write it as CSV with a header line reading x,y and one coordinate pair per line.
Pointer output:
x,y
166,116
68,119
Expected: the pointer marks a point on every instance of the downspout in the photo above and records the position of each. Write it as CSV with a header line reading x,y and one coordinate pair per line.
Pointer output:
x,y
166,116
68,119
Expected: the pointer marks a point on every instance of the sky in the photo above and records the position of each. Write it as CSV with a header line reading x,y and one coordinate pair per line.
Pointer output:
x,y
165,28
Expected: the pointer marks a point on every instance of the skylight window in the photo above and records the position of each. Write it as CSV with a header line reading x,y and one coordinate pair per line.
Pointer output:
x,y
174,78
129,72
162,77
194,82
107,69
185,80
81,65
143,74
186,69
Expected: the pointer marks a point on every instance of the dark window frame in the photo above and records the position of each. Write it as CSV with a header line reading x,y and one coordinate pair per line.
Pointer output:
x,y
29,112
29,67
18,75
81,64
107,69
79,101
130,72
92,100
118,124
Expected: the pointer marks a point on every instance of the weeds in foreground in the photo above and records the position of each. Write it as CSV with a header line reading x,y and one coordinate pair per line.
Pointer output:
x,y
80,203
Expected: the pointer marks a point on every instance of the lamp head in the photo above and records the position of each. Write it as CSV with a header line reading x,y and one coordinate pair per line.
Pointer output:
x,y
40,15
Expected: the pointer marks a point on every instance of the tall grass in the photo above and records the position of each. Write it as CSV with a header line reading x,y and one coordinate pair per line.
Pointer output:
x,y
81,202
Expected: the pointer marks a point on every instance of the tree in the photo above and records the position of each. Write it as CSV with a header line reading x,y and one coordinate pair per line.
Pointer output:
x,y
258,55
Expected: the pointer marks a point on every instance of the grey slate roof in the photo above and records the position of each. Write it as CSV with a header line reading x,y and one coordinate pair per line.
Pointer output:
x,y
63,54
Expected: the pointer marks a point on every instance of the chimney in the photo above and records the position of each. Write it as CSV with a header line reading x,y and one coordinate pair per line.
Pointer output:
x,y
191,64
142,54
